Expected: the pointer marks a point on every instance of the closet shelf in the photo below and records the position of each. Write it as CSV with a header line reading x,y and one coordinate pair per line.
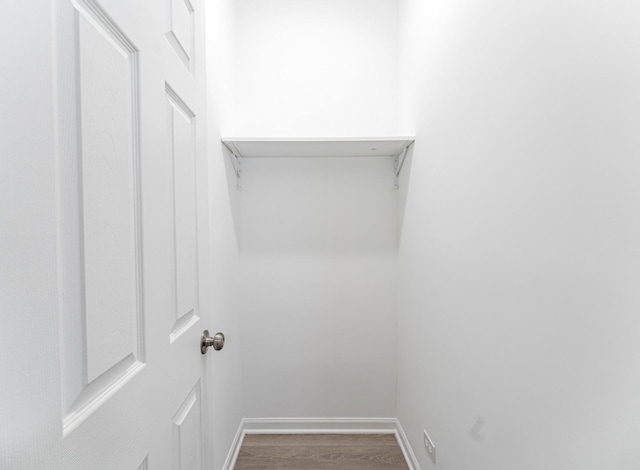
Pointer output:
x,y
261,147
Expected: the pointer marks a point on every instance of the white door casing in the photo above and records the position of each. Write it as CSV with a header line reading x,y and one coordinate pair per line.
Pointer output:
x,y
29,369
132,232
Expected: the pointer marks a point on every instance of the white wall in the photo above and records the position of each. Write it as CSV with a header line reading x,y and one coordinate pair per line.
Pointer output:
x,y
318,237
318,245
315,68
225,410
519,331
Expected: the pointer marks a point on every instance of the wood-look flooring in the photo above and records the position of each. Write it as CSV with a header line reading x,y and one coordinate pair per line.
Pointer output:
x,y
320,451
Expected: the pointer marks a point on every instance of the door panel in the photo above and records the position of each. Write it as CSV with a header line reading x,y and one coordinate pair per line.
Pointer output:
x,y
110,195
187,433
180,30
100,242
132,232
181,132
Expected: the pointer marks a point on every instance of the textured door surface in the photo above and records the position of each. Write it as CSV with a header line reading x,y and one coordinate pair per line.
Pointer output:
x,y
132,231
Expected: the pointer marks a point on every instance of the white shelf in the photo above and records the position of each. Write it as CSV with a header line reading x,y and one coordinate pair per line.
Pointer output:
x,y
265,147
260,147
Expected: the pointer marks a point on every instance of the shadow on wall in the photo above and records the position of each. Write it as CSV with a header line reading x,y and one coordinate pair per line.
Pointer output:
x,y
403,189
318,243
232,188
316,205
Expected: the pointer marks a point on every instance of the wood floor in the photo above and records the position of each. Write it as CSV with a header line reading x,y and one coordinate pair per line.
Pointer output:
x,y
320,451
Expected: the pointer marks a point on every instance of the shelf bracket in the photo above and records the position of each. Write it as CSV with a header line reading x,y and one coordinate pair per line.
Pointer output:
x,y
398,163
236,162
396,158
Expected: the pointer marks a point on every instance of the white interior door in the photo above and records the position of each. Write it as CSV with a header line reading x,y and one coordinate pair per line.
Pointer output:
x,y
132,235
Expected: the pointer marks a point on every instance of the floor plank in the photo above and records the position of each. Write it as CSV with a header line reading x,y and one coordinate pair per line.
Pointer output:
x,y
320,451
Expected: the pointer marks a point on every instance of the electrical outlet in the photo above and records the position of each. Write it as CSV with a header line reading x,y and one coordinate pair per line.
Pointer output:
x,y
430,446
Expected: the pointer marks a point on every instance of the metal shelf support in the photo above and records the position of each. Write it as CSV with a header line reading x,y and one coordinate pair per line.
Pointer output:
x,y
398,163
236,162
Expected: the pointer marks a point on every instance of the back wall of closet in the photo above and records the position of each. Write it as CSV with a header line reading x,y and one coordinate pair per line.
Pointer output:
x,y
317,236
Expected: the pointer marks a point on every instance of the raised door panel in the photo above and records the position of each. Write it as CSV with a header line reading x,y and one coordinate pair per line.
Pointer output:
x,y
187,433
110,186
182,150
100,231
180,30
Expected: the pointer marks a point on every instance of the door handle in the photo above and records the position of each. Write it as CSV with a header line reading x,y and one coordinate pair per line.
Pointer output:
x,y
206,341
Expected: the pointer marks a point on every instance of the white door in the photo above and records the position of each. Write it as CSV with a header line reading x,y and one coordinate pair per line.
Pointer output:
x,y
132,232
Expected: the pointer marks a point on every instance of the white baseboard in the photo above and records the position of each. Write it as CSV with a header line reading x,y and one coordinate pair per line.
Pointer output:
x,y
407,450
234,450
321,426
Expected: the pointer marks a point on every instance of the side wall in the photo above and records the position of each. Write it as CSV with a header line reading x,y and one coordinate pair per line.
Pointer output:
x,y
225,410
519,331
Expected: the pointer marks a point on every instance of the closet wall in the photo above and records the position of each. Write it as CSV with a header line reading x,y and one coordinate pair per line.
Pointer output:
x,y
307,68
318,236
225,408
318,254
519,338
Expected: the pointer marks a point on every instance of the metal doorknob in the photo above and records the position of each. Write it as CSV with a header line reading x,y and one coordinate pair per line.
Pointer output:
x,y
206,341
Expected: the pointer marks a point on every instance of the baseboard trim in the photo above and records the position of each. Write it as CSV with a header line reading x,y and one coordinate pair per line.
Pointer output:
x,y
234,450
406,448
321,426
